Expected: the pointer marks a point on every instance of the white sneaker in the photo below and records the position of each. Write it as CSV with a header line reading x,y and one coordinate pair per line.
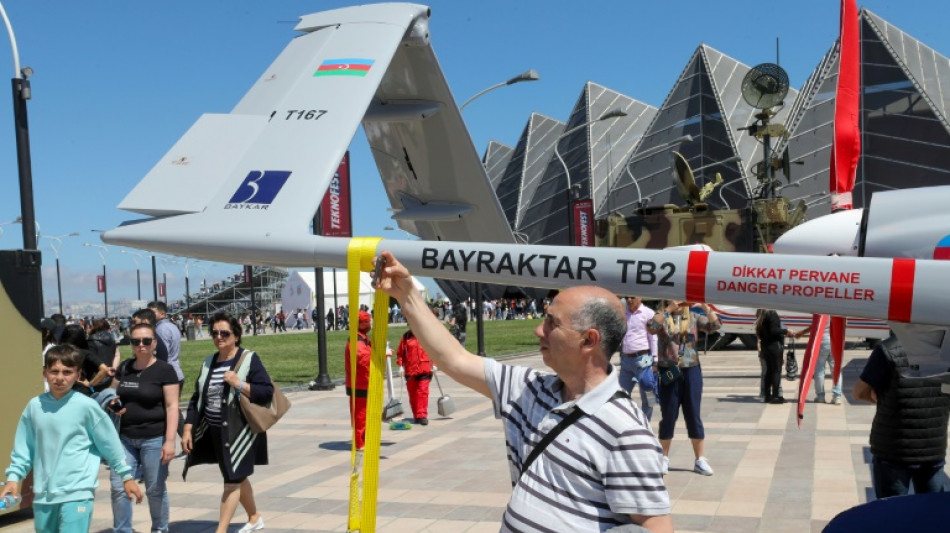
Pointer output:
x,y
665,467
256,526
836,399
702,467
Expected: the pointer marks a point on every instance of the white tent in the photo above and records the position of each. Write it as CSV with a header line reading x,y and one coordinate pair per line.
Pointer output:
x,y
300,290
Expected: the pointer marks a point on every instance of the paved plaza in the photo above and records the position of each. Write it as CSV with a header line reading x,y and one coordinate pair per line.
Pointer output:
x,y
451,476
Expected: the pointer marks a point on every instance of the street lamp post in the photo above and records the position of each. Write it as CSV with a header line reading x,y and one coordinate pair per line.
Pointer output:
x,y
137,257
21,93
55,242
571,195
528,75
103,251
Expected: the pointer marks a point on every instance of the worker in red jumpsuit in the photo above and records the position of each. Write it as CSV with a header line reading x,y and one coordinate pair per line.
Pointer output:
x,y
364,352
418,371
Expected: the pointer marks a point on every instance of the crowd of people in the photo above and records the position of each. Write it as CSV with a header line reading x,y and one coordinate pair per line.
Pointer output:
x,y
581,451
127,413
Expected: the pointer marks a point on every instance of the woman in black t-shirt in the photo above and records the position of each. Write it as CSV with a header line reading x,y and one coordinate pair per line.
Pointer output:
x,y
147,402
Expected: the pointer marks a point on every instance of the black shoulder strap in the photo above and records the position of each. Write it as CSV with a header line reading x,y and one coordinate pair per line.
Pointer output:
x,y
560,427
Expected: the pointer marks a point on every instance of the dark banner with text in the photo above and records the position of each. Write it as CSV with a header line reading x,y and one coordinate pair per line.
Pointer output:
x,y
101,283
335,208
583,222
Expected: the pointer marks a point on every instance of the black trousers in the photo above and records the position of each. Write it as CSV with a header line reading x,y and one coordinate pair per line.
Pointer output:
x,y
772,354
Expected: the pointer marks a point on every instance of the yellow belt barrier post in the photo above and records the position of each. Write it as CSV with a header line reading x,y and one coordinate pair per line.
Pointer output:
x,y
362,518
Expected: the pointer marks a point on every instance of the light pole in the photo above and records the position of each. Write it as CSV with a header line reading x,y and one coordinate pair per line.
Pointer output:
x,y
571,196
21,93
137,257
55,242
165,261
103,251
528,75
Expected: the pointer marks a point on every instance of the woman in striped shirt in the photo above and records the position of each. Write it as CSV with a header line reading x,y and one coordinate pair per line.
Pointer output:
x,y
215,429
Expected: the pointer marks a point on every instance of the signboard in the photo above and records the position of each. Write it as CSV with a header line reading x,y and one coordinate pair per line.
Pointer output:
x,y
101,284
161,290
583,222
335,208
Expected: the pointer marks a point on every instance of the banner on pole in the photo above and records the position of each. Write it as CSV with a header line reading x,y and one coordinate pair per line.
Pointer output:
x,y
161,290
335,210
101,283
583,222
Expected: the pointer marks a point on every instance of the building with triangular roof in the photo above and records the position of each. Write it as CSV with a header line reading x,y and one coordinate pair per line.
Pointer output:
x,y
905,134
495,159
593,152
526,164
705,103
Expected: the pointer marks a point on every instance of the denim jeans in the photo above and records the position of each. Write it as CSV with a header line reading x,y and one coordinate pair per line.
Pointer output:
x,y
143,455
891,479
822,362
630,367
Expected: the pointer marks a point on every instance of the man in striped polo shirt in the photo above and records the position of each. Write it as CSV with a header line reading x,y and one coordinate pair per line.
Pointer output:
x,y
603,471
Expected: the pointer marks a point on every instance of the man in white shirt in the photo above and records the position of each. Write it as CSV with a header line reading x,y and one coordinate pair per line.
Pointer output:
x,y
603,470
638,353
170,336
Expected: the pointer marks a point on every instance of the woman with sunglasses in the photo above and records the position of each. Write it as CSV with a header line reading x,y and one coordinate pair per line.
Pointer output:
x,y
215,429
147,404
681,383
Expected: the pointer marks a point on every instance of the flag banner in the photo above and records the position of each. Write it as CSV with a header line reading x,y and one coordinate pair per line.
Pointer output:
x,y
583,212
161,290
101,283
335,213
846,142
344,67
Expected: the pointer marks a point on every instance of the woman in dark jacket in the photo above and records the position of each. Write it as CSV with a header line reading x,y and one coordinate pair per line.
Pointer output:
x,y
103,344
771,334
215,429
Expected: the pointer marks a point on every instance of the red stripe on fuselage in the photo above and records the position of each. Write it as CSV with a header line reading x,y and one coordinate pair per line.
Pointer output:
x,y
696,276
902,290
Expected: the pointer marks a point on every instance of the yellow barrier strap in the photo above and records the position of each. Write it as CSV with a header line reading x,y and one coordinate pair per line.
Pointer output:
x,y
359,258
374,412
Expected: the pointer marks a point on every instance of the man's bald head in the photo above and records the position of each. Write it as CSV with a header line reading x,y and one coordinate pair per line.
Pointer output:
x,y
596,308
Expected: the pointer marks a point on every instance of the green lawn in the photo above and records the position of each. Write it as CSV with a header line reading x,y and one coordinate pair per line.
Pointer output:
x,y
292,358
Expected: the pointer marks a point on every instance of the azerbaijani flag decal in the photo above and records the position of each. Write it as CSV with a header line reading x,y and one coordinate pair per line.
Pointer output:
x,y
344,67
942,251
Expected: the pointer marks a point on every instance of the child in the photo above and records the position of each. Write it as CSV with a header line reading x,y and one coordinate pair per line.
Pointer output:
x,y
62,436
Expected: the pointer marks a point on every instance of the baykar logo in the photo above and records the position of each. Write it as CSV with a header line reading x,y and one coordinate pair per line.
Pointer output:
x,y
258,189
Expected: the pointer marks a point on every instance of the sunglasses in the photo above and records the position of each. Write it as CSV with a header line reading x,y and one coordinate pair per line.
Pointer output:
x,y
223,333
146,341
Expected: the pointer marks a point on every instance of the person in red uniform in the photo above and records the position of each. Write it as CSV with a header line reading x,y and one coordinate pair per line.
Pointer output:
x,y
364,351
418,370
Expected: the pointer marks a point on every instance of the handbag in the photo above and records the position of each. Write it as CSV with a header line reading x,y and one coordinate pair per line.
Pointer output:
x,y
394,407
445,405
260,418
669,374
791,364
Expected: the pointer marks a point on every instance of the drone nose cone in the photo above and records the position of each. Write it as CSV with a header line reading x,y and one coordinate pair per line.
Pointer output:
x,y
837,233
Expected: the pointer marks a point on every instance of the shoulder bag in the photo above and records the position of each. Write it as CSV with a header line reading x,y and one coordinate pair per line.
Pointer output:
x,y
565,422
260,418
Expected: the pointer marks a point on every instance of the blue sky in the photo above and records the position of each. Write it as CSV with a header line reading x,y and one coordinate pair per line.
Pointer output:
x,y
117,83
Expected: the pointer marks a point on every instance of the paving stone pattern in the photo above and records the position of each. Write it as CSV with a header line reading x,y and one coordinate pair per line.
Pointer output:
x,y
451,476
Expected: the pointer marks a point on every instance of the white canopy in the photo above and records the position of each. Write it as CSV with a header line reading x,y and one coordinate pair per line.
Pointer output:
x,y
299,292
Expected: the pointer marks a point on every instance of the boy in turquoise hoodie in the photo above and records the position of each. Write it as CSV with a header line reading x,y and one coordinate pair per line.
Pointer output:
x,y
63,436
